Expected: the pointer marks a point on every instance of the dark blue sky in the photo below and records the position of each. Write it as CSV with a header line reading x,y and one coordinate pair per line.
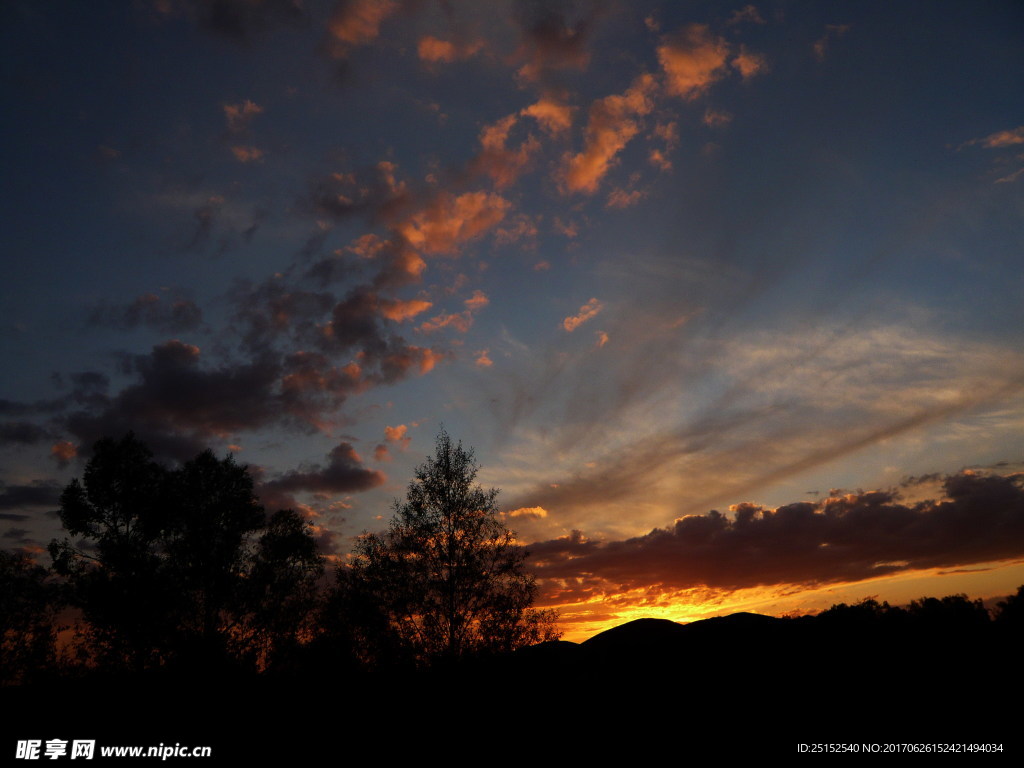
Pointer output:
x,y
649,259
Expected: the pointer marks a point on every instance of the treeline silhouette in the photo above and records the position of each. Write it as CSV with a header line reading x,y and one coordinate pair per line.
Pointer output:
x,y
178,575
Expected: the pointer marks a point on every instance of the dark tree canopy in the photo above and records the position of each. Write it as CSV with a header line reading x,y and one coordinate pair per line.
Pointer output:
x,y
447,579
182,566
28,636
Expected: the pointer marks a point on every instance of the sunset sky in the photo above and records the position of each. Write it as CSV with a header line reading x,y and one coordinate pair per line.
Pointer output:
x,y
649,259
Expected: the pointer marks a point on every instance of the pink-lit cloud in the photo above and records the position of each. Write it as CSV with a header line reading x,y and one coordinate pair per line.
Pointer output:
x,y
692,59
612,122
586,312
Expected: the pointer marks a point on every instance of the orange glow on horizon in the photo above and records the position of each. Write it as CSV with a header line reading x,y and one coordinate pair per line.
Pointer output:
x,y
582,620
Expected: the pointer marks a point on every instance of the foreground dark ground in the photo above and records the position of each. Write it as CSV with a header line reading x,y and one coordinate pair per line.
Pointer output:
x,y
744,684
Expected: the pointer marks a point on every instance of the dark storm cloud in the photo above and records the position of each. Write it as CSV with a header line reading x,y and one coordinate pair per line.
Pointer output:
x,y
171,314
846,538
344,473
41,493
372,191
273,309
23,433
177,405
552,40
237,20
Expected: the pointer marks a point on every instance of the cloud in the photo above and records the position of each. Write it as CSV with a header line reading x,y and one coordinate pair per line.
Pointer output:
x,y
357,22
239,115
832,31
477,301
552,114
344,473
714,118
587,311
602,338
496,160
748,64
537,513
460,321
845,538
247,154
692,59
63,452
519,228
23,433
1000,139
551,43
747,13
399,310
398,436
450,221
612,123
173,314
274,309
621,198
39,493
434,51
381,453
763,408
483,359
235,20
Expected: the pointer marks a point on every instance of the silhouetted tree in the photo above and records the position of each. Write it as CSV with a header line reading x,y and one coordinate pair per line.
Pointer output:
x,y
114,566
181,566
282,592
1010,613
446,580
28,629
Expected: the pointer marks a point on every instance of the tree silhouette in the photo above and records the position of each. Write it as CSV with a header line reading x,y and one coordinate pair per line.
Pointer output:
x,y
446,580
114,566
28,606
181,566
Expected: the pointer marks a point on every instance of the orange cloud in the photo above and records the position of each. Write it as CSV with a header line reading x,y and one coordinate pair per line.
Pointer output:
x,y
239,115
448,222
658,159
748,64
692,60
611,125
435,51
398,436
621,198
502,164
1003,139
532,512
587,311
477,301
483,359
357,22
519,228
399,310
460,321
552,115
602,338
367,246
713,118
63,452
247,154
381,453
